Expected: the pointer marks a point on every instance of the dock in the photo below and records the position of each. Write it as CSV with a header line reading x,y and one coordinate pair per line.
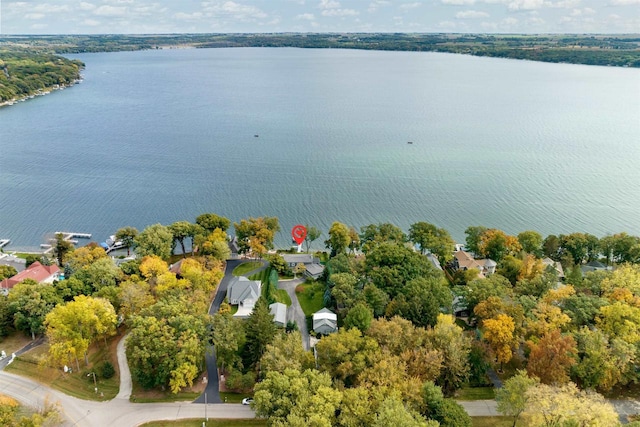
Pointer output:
x,y
4,242
66,235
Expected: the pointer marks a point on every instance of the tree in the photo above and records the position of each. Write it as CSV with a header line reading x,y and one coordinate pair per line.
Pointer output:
x,y
424,299
512,396
498,332
479,290
300,268
260,332
61,248
551,247
297,399
394,413
211,221
339,239
551,358
7,271
29,303
256,234
229,338
566,405
430,238
214,244
180,231
473,238
74,326
313,234
100,274
127,236
620,320
286,352
455,346
531,242
496,244
359,316
372,235
154,240
134,297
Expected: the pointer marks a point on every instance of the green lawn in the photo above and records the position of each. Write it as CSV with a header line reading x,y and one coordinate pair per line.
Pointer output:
x,y
233,397
492,422
211,423
283,297
475,393
310,296
246,267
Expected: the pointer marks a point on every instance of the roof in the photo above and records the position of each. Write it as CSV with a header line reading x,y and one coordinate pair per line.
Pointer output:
x,y
325,313
35,271
279,312
315,269
325,318
434,261
240,288
298,258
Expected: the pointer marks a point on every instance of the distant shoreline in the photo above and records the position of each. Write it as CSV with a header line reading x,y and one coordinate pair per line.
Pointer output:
x,y
41,92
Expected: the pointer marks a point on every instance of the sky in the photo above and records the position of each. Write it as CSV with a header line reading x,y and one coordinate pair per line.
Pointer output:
x,y
267,16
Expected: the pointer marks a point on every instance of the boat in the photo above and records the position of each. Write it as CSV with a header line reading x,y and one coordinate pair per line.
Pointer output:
x,y
409,142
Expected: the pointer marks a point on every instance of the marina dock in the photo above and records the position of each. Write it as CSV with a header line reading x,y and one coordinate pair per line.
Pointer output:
x,y
66,235
4,242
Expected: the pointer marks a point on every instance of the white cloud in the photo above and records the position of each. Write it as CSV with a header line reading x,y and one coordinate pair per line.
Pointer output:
x,y
459,2
195,16
34,16
447,25
525,4
90,23
87,6
471,14
624,2
235,10
329,4
106,10
375,5
408,6
306,16
340,12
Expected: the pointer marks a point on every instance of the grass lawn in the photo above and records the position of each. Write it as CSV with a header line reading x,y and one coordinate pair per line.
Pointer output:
x,y
310,296
475,393
233,397
211,423
283,297
246,267
189,394
35,364
14,342
492,422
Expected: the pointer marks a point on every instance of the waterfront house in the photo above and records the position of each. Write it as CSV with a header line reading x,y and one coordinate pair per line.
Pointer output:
x,y
325,321
242,289
313,267
549,263
36,271
464,261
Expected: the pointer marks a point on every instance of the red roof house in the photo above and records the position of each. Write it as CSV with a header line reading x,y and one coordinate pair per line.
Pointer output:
x,y
36,271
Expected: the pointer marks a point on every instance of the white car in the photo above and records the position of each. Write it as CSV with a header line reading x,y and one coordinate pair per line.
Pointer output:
x,y
247,401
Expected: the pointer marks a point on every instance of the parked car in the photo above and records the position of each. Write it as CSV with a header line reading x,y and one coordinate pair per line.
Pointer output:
x,y
247,401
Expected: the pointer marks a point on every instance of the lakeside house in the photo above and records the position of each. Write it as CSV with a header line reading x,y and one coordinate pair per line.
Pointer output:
x,y
312,264
279,312
464,261
549,263
36,271
244,293
434,261
325,321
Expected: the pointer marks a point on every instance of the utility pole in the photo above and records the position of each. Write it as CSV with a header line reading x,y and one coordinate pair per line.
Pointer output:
x,y
95,384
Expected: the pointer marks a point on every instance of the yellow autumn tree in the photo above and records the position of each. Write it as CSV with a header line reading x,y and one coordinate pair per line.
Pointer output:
x,y
498,332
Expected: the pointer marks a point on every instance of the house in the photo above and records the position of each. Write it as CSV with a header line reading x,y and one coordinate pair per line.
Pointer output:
x,y
313,267
548,262
279,312
325,321
464,261
241,289
434,261
594,266
36,271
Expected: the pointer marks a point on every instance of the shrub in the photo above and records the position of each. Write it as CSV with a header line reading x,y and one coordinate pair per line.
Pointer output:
x,y
107,370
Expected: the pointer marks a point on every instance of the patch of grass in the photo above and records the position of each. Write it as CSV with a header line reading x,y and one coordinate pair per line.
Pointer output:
x,y
246,267
261,275
492,422
36,364
475,393
141,395
211,423
310,297
283,297
14,342
233,397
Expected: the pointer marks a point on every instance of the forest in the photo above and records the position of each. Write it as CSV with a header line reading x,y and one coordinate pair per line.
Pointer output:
x,y
611,50
557,320
24,74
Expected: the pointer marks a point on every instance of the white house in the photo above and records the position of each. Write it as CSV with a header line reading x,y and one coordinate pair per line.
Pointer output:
x,y
279,312
325,321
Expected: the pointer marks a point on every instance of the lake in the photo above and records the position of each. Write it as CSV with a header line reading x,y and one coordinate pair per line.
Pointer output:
x,y
165,135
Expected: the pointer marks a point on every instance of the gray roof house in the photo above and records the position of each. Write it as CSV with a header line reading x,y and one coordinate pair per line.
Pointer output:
x,y
325,321
314,268
241,289
279,312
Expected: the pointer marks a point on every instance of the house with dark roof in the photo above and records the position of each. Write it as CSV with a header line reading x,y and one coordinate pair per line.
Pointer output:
x,y
244,293
325,321
36,271
312,264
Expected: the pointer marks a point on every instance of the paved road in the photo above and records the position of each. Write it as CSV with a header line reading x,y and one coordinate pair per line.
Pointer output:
x,y
295,312
212,390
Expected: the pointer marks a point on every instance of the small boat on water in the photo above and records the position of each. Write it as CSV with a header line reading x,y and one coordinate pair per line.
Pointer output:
x,y
409,142
256,135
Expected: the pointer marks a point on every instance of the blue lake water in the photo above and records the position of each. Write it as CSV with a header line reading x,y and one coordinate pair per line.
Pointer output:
x,y
161,136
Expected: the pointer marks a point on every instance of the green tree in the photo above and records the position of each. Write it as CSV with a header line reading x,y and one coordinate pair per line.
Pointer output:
x,y
297,399
61,248
256,234
286,352
7,271
473,238
512,397
260,332
228,340
30,302
531,242
394,413
430,238
455,346
480,289
424,299
374,234
313,234
180,231
551,247
211,221
338,240
359,316
127,236
100,274
154,240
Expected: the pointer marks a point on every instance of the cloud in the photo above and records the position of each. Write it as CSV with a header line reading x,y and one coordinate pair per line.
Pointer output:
x,y
34,16
624,2
375,5
87,6
525,4
408,6
106,10
195,16
235,10
333,8
329,4
471,14
90,23
306,16
459,2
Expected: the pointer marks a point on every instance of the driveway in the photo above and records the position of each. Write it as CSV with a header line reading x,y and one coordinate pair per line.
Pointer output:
x,y
295,313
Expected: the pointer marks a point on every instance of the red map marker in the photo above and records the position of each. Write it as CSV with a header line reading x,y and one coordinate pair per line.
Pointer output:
x,y
299,232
